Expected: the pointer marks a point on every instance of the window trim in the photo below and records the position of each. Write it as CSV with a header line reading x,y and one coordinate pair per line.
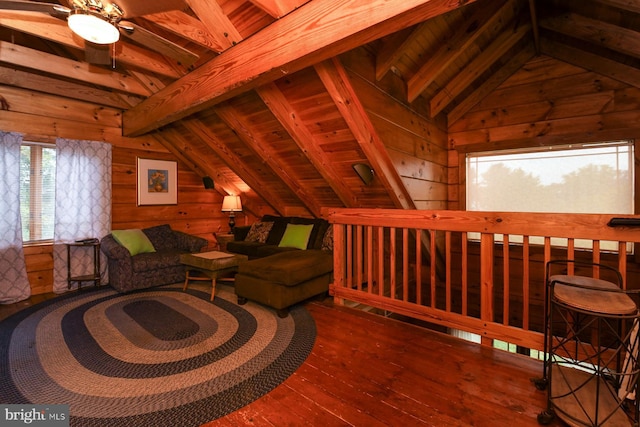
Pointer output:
x,y
631,143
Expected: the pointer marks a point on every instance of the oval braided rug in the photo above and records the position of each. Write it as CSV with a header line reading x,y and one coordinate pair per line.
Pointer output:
x,y
159,357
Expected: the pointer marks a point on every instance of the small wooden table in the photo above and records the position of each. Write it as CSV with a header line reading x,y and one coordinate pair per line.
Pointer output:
x,y
92,277
212,265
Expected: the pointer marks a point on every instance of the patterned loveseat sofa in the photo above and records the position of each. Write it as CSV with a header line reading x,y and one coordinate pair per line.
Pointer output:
x,y
151,259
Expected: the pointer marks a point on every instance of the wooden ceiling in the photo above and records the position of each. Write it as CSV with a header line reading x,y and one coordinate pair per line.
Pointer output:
x,y
254,93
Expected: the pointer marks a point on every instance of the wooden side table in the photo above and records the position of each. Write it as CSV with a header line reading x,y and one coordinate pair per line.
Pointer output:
x,y
223,239
95,277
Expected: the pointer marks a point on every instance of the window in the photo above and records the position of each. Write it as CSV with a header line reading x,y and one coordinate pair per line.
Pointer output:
x,y
37,191
589,178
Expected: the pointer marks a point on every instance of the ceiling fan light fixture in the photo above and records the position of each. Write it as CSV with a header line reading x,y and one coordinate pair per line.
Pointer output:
x,y
93,28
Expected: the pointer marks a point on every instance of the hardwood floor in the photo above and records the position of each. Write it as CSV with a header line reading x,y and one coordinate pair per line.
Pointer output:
x,y
368,370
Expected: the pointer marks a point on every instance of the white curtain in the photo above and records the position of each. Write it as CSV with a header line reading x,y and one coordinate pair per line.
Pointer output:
x,y
14,283
83,206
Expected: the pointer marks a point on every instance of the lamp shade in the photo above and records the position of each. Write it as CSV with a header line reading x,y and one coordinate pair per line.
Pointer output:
x,y
231,204
93,28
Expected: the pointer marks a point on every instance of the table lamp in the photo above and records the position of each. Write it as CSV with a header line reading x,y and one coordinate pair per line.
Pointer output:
x,y
231,204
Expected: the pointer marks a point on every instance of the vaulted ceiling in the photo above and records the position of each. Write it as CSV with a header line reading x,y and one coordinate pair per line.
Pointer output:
x,y
258,94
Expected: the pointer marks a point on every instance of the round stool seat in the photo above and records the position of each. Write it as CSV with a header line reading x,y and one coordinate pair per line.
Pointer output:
x,y
605,297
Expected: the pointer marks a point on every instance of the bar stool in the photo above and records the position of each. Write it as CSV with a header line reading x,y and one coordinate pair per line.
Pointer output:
x,y
591,347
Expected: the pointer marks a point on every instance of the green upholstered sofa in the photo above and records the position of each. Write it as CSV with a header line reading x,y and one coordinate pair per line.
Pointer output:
x,y
281,271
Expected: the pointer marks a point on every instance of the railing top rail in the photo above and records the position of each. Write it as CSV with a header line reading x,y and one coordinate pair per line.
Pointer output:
x,y
567,225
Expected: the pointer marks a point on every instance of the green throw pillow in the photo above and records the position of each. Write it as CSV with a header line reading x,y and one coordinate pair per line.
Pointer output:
x,y
296,236
134,240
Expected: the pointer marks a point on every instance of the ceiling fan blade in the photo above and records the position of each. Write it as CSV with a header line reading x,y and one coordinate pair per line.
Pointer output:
x,y
161,45
33,6
136,8
97,54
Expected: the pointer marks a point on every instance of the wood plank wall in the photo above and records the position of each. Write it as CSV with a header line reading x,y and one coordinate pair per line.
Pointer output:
x,y
44,117
198,209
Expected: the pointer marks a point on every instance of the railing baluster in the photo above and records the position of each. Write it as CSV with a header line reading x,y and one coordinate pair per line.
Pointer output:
x,y
419,266
380,261
432,266
506,281
405,264
526,259
486,277
447,250
596,258
465,275
622,262
349,256
370,263
571,254
393,272
359,259
338,259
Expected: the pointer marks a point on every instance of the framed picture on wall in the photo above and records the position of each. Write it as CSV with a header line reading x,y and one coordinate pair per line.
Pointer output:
x,y
157,182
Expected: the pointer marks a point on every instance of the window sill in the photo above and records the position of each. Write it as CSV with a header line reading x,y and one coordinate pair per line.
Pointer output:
x,y
37,243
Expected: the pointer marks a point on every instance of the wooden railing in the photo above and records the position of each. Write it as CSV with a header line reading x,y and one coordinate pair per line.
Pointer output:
x,y
479,272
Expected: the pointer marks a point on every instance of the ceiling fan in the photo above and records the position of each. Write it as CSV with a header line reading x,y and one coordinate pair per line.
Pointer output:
x,y
101,23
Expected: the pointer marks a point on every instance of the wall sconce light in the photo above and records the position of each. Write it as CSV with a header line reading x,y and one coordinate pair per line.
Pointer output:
x,y
364,171
231,204
208,182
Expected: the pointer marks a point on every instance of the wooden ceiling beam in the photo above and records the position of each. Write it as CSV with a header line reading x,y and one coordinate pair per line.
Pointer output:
x,y
278,8
628,5
497,49
289,118
40,125
394,48
491,84
67,68
594,31
336,81
234,162
450,50
216,22
591,61
166,47
56,30
256,142
56,86
317,30
22,100
189,28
